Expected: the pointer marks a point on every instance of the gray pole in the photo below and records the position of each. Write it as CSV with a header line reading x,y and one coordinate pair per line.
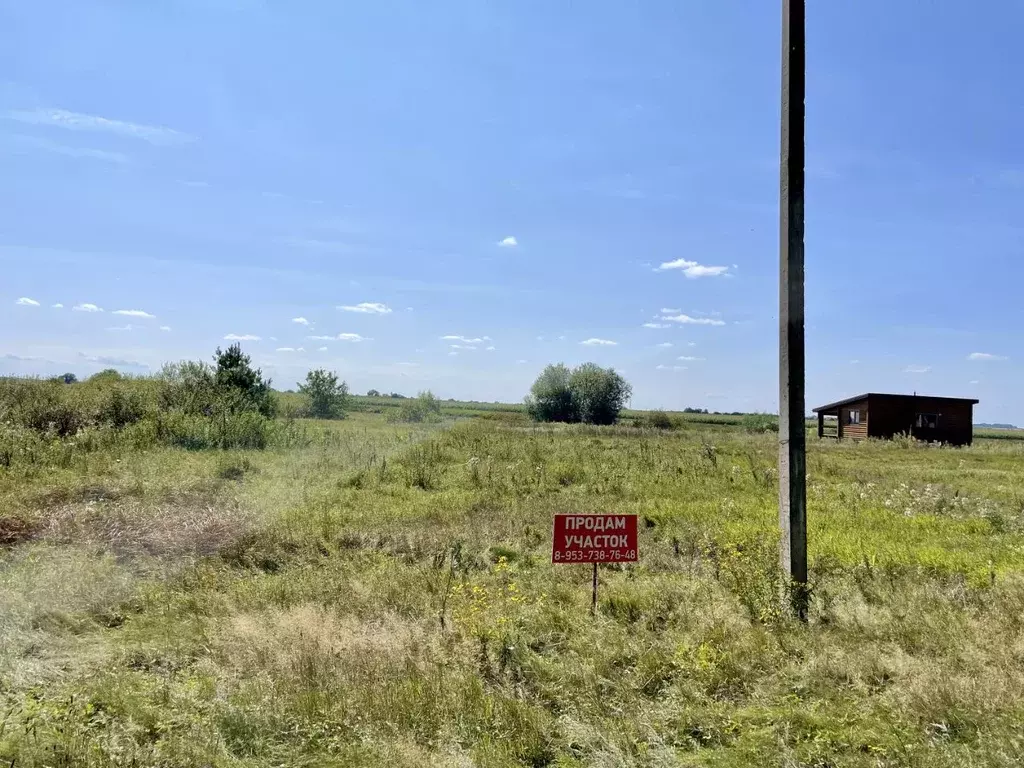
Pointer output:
x,y
792,430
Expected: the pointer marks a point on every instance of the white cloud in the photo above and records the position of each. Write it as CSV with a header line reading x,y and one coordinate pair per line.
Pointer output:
x,y
689,358
670,367
58,306
917,369
45,145
285,349
466,340
974,381
25,301
692,269
321,338
134,313
452,354
62,118
352,337
241,337
121,328
86,308
273,338
599,343
671,311
165,328
520,362
855,362
408,365
367,307
508,242
321,349
490,349
686,319
300,320
657,325
985,356
466,347
111,361
665,344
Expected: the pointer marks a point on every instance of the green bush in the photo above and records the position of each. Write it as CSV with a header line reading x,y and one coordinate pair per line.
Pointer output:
x,y
425,407
588,393
327,398
122,407
655,420
760,422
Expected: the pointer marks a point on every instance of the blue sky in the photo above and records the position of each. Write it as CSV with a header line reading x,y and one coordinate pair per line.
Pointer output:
x,y
528,176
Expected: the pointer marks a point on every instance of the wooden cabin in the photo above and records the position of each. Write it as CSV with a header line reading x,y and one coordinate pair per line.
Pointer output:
x,y
935,419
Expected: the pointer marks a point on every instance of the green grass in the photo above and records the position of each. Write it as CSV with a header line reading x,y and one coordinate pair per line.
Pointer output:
x,y
376,593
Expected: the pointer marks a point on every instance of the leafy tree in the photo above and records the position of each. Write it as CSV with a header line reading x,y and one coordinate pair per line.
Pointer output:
x,y
587,393
550,397
243,386
424,407
327,398
373,393
598,393
68,378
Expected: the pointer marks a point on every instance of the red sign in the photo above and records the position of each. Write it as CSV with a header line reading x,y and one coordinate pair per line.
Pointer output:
x,y
594,539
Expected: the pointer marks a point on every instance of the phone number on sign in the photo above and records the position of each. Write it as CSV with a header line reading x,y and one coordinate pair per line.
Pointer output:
x,y
594,556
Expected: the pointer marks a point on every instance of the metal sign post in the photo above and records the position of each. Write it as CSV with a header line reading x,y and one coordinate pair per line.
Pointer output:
x,y
792,430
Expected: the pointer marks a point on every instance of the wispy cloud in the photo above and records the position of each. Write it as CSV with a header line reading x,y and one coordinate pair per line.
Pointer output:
x,y
25,301
465,339
508,242
121,328
28,143
21,358
689,358
58,306
657,325
665,344
352,337
241,337
367,307
87,308
671,311
321,338
466,347
686,319
134,313
599,343
670,367
490,349
408,365
692,269
290,349
974,381
300,320
917,369
520,362
113,362
985,356
321,349
165,328
76,121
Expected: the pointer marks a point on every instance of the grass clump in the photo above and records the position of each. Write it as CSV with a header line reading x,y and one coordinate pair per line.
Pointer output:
x,y
424,408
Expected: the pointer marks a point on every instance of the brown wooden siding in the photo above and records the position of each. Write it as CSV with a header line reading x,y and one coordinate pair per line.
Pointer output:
x,y
854,431
895,415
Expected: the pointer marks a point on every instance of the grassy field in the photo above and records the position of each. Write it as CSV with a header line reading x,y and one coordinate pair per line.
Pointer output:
x,y
369,593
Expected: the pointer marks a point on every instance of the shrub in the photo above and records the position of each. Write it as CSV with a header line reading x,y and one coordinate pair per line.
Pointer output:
x,y
425,407
588,393
122,407
327,398
550,397
760,422
656,420
240,386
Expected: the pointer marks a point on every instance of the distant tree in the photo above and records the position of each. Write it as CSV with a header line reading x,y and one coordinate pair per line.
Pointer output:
x,y
373,393
599,393
424,407
243,386
107,374
588,393
550,397
66,378
327,397
397,396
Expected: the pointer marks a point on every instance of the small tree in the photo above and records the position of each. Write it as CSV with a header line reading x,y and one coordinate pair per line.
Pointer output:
x,y
588,393
550,397
68,378
598,393
373,393
242,385
327,397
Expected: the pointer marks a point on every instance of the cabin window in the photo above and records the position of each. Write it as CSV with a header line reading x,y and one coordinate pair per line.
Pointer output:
x,y
853,416
927,421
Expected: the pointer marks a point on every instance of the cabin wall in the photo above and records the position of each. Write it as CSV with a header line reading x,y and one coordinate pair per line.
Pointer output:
x,y
891,416
854,431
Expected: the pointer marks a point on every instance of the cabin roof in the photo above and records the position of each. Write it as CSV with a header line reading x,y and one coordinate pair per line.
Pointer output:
x,y
871,395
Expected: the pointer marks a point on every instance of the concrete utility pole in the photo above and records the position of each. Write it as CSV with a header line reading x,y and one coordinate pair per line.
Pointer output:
x,y
792,430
